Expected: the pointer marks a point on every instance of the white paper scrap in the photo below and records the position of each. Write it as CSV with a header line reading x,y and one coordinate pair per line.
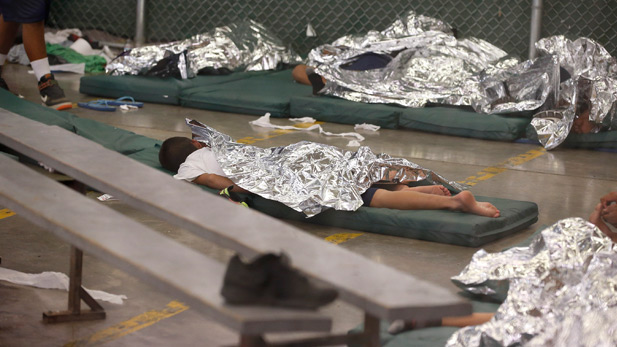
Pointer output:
x,y
264,121
106,197
54,280
310,31
365,126
303,120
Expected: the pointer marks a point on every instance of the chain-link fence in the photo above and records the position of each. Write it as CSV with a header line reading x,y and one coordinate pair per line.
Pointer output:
x,y
503,23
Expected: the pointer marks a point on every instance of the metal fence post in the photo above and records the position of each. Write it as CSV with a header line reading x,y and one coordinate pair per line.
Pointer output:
x,y
536,26
140,23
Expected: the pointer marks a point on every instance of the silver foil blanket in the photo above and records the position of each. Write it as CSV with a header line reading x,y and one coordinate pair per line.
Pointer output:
x,y
310,177
429,65
586,101
242,46
562,290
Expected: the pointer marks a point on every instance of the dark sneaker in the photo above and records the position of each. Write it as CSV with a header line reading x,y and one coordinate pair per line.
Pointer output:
x,y
51,93
269,280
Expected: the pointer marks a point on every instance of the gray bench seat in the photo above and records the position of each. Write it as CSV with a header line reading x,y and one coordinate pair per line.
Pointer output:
x,y
161,262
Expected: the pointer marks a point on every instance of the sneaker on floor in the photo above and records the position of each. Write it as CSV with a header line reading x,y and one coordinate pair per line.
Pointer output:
x,y
270,281
52,95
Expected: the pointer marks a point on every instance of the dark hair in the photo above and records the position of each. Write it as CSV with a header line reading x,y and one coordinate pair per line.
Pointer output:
x,y
174,151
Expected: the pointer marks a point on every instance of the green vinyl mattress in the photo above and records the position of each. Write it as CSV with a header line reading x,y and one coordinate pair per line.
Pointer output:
x,y
152,89
275,92
439,226
269,92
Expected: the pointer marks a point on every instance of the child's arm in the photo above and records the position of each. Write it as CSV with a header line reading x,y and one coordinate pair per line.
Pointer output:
x,y
217,182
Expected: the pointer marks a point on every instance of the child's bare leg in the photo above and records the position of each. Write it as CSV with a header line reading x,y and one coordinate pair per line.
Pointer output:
x,y
464,321
434,189
478,318
413,200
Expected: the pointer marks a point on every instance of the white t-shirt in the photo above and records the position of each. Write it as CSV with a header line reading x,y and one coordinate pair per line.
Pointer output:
x,y
200,162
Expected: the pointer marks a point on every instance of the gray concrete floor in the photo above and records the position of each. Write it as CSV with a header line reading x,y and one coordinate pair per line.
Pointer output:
x,y
563,182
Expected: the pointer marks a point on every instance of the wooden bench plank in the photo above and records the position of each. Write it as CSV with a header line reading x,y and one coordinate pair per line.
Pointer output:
x,y
377,289
160,261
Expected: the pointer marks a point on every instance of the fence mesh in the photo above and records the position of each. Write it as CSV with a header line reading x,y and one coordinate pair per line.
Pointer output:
x,y
503,23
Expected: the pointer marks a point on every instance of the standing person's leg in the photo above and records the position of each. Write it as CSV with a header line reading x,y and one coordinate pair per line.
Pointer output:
x,y
34,43
32,14
8,31
414,200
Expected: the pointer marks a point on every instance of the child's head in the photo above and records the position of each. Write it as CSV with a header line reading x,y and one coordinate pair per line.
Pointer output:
x,y
174,151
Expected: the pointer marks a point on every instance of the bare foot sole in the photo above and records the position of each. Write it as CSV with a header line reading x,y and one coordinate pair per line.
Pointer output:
x,y
468,204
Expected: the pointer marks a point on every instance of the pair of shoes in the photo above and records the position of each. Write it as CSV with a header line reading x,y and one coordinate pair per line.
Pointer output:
x,y
51,93
108,105
233,196
269,280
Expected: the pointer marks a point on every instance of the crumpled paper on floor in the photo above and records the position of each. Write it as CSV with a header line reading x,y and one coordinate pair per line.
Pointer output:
x,y
54,280
264,121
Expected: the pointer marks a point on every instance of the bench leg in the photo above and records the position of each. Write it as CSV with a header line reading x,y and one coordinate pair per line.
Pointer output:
x,y
371,330
252,341
76,294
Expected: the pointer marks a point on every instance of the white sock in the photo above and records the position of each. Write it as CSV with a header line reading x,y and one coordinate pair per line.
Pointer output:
x,y
40,67
2,59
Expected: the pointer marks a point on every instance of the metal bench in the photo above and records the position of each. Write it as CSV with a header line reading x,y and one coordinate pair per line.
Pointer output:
x,y
380,291
94,228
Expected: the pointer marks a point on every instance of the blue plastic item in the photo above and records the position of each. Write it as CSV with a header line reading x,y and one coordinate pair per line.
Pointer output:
x,y
121,101
97,105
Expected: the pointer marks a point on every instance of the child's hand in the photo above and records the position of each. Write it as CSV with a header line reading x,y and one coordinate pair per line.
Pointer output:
x,y
609,214
608,199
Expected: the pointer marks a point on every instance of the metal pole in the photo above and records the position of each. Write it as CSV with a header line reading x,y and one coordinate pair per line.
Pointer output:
x,y
536,26
140,25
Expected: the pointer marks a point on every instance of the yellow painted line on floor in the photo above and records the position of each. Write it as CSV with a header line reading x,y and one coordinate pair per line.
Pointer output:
x,y
342,237
5,213
132,325
493,171
277,132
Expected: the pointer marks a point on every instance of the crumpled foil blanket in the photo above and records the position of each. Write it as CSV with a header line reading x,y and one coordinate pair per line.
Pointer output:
x,y
430,65
561,290
241,46
310,177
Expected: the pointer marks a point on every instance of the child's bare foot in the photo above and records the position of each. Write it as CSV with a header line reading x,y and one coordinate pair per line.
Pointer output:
x,y
434,189
468,204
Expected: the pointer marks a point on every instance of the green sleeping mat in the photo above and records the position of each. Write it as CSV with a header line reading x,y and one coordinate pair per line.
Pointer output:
x,y
460,122
152,89
439,226
606,139
274,91
257,95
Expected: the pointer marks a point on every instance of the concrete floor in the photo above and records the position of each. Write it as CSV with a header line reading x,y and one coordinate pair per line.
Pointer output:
x,y
563,182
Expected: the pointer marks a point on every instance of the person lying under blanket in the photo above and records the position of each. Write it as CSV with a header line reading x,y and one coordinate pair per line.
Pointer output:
x,y
195,162
604,217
